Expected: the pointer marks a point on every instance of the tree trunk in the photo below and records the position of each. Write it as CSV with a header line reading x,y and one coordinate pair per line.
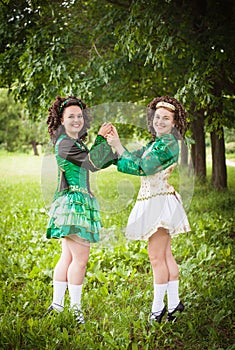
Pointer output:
x,y
199,147
219,171
184,154
35,149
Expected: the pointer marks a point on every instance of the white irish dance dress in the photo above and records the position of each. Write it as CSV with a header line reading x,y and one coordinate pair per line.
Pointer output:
x,y
158,204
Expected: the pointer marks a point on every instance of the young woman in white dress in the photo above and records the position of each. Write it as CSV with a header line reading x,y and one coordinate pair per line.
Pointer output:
x,y
158,213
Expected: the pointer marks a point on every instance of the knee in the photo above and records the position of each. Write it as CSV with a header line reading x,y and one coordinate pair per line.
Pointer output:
x,y
174,273
81,263
173,267
156,260
153,262
65,259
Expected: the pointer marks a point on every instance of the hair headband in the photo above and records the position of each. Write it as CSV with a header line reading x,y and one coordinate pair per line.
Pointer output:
x,y
165,104
73,101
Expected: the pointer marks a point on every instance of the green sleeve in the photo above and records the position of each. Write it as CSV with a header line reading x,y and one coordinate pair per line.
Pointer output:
x,y
101,154
158,156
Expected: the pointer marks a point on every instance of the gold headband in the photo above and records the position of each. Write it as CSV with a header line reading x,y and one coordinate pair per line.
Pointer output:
x,y
165,104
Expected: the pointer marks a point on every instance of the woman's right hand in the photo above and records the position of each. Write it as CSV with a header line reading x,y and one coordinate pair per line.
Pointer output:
x,y
113,137
114,140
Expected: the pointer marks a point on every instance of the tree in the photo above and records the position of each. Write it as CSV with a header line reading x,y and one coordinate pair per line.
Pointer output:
x,y
124,51
36,50
17,130
193,47
10,116
198,149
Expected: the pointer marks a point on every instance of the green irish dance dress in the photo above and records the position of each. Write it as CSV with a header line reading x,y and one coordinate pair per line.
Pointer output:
x,y
75,210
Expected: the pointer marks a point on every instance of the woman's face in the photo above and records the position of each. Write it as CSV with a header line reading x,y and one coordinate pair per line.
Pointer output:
x,y
72,120
163,121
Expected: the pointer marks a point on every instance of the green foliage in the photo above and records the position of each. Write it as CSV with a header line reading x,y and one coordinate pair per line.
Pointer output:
x,y
230,147
120,51
18,131
229,135
118,286
10,115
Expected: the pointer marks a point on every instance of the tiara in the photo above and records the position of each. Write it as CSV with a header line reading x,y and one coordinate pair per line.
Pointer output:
x,y
74,101
165,104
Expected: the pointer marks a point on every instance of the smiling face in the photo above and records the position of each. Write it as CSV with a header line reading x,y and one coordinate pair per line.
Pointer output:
x,y
72,120
163,121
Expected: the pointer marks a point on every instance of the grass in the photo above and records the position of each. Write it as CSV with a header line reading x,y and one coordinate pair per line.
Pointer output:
x,y
118,286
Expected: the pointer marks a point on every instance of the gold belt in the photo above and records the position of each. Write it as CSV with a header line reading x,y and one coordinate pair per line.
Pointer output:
x,y
75,188
155,195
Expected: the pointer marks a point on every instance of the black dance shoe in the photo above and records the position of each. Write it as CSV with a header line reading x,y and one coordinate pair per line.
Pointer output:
x,y
157,318
171,316
79,317
55,307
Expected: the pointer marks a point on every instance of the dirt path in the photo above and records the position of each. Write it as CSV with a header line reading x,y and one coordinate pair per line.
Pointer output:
x,y
230,162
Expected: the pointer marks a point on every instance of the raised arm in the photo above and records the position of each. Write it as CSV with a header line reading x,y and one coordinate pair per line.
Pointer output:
x,y
114,141
99,157
158,156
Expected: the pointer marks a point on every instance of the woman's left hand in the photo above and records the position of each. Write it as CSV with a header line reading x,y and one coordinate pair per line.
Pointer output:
x,y
114,141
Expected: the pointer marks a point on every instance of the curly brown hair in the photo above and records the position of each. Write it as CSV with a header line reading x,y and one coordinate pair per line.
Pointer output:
x,y
179,115
55,128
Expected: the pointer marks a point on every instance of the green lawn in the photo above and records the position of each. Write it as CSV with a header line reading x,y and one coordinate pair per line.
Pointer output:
x,y
118,286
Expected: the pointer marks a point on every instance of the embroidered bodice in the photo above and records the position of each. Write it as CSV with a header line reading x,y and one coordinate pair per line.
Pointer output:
x,y
75,161
156,184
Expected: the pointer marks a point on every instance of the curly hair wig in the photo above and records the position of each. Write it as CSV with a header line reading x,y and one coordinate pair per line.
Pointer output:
x,y
179,115
55,128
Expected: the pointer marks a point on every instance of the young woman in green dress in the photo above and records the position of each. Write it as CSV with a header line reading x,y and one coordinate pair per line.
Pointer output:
x,y
158,213
74,214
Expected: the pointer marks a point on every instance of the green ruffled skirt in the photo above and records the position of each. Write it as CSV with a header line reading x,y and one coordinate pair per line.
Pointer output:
x,y
74,213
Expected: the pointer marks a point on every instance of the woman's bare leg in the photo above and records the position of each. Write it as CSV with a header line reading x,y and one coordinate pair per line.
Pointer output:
x,y
61,269
60,277
76,273
157,247
77,268
173,284
171,263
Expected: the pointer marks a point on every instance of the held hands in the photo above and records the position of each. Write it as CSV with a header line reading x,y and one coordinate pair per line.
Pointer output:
x,y
109,131
113,137
114,141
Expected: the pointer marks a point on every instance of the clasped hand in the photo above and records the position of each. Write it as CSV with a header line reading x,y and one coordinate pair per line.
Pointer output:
x,y
109,131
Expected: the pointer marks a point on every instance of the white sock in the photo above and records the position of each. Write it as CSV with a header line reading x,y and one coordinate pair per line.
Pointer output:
x,y
75,293
59,289
158,300
173,295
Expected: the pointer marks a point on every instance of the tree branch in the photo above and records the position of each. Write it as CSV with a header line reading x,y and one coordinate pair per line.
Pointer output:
x,y
3,3
96,50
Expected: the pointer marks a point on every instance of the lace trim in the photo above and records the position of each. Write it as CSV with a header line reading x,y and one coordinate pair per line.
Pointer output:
x,y
155,195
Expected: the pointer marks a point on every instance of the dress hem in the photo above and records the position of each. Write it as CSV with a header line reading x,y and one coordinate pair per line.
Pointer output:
x,y
147,235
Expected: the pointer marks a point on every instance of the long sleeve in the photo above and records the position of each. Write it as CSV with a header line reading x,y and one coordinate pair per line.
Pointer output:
x,y
99,157
158,156
101,154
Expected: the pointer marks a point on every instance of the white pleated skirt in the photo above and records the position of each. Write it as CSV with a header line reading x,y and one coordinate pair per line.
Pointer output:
x,y
158,211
